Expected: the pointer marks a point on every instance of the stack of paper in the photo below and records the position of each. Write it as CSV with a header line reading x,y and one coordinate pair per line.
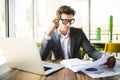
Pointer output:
x,y
76,64
99,70
103,71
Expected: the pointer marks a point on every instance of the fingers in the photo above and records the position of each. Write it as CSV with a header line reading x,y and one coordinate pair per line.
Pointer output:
x,y
111,61
56,22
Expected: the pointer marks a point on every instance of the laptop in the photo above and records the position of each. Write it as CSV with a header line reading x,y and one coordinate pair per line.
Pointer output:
x,y
23,54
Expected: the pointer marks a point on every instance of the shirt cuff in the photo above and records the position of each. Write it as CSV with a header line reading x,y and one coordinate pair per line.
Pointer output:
x,y
47,37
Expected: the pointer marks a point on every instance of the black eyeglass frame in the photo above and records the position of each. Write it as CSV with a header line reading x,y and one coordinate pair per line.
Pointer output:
x,y
66,21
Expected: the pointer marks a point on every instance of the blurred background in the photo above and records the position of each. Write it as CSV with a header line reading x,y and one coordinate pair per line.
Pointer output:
x,y
30,18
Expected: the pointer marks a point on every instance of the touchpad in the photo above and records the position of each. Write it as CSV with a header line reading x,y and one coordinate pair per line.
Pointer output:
x,y
47,68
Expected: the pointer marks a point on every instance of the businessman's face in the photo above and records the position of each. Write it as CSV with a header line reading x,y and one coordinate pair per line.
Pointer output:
x,y
65,22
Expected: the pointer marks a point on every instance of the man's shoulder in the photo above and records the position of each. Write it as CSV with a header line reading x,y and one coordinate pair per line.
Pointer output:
x,y
74,29
54,34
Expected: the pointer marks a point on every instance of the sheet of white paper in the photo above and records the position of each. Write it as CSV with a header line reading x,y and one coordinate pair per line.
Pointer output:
x,y
97,62
74,64
77,64
103,71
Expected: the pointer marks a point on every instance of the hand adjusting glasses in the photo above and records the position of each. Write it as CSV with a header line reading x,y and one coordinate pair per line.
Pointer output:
x,y
66,21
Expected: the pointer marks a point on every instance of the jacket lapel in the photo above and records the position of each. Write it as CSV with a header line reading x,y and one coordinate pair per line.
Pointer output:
x,y
72,43
57,42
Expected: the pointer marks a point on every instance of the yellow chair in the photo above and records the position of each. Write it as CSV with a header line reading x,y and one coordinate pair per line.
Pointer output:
x,y
112,48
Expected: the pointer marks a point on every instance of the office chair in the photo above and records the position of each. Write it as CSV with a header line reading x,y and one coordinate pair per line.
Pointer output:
x,y
112,48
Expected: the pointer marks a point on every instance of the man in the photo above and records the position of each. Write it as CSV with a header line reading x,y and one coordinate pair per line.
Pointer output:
x,y
65,41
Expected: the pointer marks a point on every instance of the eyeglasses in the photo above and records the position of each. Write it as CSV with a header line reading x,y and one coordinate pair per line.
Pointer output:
x,y
66,21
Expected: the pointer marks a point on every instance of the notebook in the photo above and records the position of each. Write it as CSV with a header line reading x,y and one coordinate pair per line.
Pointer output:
x,y
23,54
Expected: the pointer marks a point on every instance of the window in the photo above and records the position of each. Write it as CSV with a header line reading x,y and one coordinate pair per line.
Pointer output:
x,y
101,10
2,27
30,18
46,11
2,18
23,25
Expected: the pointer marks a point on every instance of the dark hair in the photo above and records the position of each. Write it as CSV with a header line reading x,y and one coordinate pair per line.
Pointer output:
x,y
66,10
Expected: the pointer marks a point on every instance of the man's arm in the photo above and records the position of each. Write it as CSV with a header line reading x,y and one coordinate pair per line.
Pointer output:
x,y
89,49
93,53
45,49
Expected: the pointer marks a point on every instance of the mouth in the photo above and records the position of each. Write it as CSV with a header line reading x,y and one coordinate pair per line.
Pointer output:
x,y
67,27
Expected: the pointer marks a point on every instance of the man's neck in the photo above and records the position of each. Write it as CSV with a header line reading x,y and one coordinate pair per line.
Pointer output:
x,y
64,32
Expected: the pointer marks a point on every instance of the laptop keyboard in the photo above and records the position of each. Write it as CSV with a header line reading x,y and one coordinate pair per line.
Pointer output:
x,y
47,68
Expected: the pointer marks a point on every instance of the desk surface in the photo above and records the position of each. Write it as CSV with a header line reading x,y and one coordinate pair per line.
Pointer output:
x,y
65,74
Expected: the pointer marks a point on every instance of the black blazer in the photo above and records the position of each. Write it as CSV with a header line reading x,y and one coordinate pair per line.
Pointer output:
x,y
77,38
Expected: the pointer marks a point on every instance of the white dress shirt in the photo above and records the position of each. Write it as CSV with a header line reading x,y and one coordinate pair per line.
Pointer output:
x,y
65,43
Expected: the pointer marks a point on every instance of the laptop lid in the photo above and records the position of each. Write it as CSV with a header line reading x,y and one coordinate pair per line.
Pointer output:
x,y
23,54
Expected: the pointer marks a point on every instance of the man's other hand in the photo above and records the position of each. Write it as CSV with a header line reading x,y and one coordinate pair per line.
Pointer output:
x,y
111,61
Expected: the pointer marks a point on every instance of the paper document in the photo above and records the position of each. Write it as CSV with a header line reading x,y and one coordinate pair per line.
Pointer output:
x,y
76,64
103,71
98,62
94,69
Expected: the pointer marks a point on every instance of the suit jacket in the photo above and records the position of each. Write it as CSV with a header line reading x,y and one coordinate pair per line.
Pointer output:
x,y
77,38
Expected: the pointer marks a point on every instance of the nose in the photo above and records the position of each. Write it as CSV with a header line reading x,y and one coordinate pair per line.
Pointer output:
x,y
68,24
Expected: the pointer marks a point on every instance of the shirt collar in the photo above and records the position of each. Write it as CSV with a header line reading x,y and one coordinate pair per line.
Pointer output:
x,y
61,35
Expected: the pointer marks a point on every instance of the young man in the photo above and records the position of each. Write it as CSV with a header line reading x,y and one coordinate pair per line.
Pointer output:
x,y
65,41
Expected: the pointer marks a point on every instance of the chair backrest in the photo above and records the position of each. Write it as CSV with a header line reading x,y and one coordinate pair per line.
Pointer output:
x,y
112,47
